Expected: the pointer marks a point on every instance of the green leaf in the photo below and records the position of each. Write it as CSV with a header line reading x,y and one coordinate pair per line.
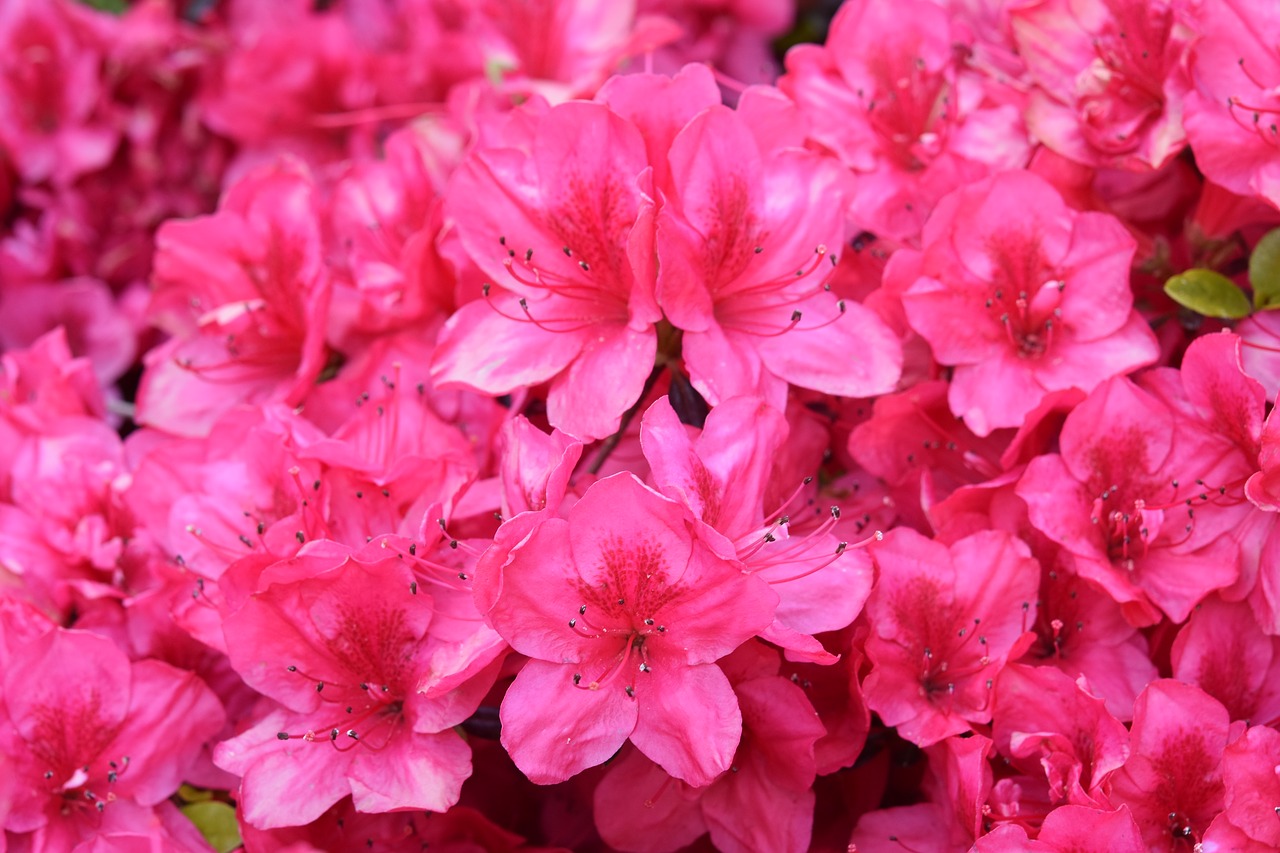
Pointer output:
x,y
112,7
1209,293
189,794
216,822
496,69
1264,271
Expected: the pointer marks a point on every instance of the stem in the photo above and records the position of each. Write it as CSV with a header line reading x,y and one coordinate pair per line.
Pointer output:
x,y
609,444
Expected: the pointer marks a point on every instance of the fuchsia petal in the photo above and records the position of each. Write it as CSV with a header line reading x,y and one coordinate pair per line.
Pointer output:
x,y
689,721
554,730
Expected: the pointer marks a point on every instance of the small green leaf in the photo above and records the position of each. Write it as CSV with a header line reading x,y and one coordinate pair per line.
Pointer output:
x,y
1264,271
495,69
190,794
111,7
1209,293
216,822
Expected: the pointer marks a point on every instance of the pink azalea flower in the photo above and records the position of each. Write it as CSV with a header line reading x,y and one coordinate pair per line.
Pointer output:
x,y
341,643
245,295
835,692
100,742
1222,651
536,467
51,124
1067,829
64,526
557,221
722,477
957,787
209,502
764,801
1233,107
944,620
914,443
388,215
1024,296
889,95
745,235
96,326
1082,632
1105,74
1248,822
623,607
389,467
1141,512
1172,781
1046,724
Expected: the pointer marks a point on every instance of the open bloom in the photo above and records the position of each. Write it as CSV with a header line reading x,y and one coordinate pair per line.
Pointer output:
x,y
624,606
1106,79
557,221
944,621
341,643
1024,295
95,742
745,245
245,295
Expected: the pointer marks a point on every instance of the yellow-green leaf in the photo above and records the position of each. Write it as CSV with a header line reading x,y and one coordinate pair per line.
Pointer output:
x,y
1264,271
216,822
190,794
1209,293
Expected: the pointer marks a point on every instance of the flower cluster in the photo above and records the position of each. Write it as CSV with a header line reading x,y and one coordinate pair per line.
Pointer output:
x,y
553,424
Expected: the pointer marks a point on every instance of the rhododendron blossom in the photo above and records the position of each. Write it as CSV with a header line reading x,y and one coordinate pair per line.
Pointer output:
x,y
567,252
1024,295
623,618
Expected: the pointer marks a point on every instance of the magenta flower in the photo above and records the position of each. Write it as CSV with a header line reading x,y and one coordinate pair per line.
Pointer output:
x,y
1222,651
1107,79
764,802
51,119
722,476
1048,726
557,221
341,645
1233,106
1172,781
1134,498
1024,296
245,296
623,606
96,743
890,94
944,620
746,241
1248,823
